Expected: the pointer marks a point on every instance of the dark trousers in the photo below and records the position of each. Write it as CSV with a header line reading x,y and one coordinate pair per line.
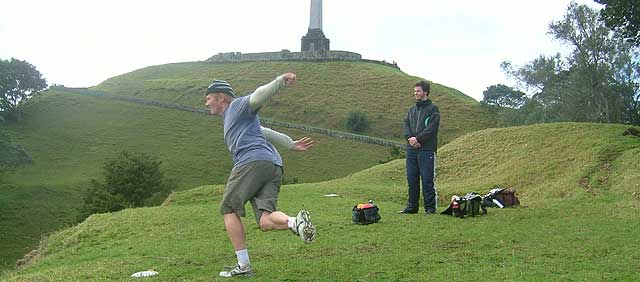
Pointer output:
x,y
421,164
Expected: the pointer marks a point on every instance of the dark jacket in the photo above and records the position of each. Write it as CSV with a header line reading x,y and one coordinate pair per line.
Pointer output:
x,y
422,121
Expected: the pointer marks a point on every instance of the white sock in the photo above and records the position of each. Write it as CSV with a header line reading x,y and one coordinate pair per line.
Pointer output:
x,y
243,257
292,223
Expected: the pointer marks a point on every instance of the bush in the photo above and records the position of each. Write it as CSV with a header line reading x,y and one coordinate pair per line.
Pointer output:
x,y
131,180
357,121
12,155
287,181
394,154
397,153
98,200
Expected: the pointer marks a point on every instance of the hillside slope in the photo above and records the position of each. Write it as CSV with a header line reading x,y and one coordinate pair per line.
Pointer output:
x,y
578,223
323,96
69,137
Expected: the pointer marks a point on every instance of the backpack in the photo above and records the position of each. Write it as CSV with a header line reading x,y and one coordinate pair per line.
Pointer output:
x,y
501,197
469,205
365,213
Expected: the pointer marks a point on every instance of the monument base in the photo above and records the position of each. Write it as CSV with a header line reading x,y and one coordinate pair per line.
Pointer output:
x,y
315,41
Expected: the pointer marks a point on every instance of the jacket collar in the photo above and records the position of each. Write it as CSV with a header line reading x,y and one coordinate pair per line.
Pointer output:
x,y
423,103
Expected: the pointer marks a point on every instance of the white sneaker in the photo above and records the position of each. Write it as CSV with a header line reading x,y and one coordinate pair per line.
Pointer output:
x,y
238,271
304,228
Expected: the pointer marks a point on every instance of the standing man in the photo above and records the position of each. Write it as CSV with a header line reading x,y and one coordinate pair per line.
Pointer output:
x,y
257,167
421,131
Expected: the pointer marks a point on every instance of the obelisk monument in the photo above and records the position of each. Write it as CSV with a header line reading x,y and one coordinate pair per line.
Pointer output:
x,y
315,19
315,40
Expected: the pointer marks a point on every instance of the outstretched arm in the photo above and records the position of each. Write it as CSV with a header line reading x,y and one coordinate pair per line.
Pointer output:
x,y
284,141
263,93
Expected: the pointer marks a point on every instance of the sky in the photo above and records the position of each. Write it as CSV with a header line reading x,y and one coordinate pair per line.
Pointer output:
x,y
460,44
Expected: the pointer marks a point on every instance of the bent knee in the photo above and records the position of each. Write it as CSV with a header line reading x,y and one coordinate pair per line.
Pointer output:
x,y
265,222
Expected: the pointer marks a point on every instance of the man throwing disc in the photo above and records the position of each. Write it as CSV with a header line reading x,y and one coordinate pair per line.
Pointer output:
x,y
257,167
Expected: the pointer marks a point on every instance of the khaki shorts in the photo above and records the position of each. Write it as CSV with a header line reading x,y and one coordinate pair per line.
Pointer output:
x,y
258,182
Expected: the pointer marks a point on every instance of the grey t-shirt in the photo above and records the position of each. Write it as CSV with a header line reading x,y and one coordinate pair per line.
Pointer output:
x,y
243,136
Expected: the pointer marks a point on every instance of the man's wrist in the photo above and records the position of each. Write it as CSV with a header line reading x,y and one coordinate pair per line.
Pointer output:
x,y
280,81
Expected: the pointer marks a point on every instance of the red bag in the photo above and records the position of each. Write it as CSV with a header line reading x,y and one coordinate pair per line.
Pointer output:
x,y
507,197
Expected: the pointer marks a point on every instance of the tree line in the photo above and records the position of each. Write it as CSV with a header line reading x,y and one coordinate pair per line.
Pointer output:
x,y
598,81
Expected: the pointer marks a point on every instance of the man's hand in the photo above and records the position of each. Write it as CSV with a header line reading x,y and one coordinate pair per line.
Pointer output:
x,y
289,78
302,145
414,142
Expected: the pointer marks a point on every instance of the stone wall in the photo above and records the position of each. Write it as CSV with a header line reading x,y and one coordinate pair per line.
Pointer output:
x,y
286,55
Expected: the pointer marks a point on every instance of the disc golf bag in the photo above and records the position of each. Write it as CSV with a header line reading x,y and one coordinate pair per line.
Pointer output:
x,y
365,213
501,197
470,204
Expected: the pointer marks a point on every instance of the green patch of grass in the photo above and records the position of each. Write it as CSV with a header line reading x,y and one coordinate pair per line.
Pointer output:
x,y
28,212
625,173
550,241
541,161
567,235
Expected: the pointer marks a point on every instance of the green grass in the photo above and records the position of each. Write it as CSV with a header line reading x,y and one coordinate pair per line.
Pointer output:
x,y
70,136
323,95
28,212
564,232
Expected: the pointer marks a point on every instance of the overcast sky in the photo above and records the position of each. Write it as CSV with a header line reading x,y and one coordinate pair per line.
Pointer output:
x,y
456,43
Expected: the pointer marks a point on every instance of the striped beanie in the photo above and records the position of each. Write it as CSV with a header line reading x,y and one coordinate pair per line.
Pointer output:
x,y
220,86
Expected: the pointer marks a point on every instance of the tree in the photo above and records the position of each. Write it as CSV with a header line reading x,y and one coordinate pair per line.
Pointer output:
x,y
11,155
357,121
137,177
597,82
622,16
503,103
131,180
98,200
19,81
503,96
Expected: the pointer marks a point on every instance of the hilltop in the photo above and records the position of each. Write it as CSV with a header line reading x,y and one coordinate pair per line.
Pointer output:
x,y
578,184
323,95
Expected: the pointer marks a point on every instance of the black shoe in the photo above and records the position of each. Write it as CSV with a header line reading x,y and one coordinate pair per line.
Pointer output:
x,y
430,211
409,211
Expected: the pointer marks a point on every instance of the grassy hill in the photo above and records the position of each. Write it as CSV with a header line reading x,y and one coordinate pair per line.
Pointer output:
x,y
323,96
578,184
70,136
